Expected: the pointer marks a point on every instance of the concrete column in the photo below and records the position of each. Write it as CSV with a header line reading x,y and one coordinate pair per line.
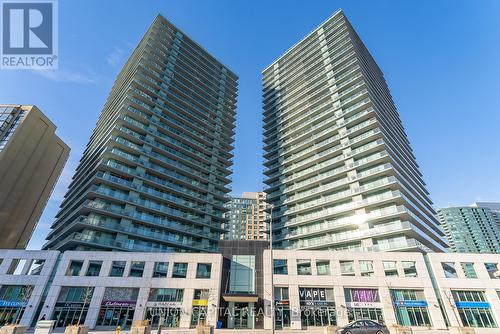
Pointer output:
x,y
187,308
140,306
340,306
94,307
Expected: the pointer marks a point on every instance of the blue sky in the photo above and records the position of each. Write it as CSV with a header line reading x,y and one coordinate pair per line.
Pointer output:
x,y
441,60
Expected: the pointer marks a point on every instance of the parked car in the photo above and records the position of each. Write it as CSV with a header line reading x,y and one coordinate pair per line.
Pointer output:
x,y
364,327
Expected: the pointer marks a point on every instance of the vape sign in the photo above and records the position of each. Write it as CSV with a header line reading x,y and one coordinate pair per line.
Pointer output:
x,y
28,34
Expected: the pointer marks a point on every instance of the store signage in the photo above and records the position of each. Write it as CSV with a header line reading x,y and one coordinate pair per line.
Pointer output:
x,y
410,303
200,302
69,304
364,304
118,303
164,304
312,294
365,295
12,303
472,304
316,303
282,302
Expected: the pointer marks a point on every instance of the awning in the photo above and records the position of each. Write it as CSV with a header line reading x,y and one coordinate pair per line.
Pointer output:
x,y
240,297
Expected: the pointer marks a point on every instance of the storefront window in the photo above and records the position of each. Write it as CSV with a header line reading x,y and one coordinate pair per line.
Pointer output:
x,y
117,269
473,309
166,295
160,269
72,305
203,270
410,308
304,267
280,267
282,307
323,267
13,301
117,307
164,306
363,304
179,270
317,307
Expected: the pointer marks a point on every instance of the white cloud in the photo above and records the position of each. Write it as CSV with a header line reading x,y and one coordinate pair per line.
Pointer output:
x,y
114,58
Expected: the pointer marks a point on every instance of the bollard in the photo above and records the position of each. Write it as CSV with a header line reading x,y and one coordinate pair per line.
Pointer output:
x,y
118,329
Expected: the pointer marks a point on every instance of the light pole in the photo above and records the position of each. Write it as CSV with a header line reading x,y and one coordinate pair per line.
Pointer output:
x,y
272,265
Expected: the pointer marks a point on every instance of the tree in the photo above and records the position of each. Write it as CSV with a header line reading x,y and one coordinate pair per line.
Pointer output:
x,y
86,298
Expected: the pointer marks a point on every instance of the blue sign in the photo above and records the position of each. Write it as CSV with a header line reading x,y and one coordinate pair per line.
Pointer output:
x,y
472,304
410,303
12,303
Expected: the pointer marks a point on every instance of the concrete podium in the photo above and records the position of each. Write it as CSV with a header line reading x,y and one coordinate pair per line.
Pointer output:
x,y
44,326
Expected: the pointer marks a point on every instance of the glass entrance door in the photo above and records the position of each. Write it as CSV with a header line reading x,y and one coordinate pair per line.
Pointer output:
x,y
240,316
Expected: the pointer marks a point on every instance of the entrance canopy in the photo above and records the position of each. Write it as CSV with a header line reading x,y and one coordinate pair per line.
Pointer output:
x,y
240,297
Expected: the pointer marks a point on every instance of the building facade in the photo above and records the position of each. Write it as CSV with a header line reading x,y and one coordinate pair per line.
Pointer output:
x,y
471,229
311,289
32,157
339,168
246,218
155,173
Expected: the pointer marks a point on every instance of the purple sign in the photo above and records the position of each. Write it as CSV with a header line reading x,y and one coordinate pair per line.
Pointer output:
x,y
118,303
365,295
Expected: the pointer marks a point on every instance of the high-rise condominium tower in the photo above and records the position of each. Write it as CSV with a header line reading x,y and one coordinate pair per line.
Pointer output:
x,y
247,217
340,171
471,229
155,173
32,157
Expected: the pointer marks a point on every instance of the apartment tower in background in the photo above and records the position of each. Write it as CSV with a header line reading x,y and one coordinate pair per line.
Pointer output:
x,y
340,171
246,218
32,157
471,229
156,171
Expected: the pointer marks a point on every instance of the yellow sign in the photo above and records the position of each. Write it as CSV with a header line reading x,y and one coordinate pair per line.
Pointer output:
x,y
200,302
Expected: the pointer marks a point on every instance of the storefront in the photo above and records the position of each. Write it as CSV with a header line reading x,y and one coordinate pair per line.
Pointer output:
x,y
411,308
72,305
117,307
473,309
317,307
200,305
364,304
13,301
164,307
281,307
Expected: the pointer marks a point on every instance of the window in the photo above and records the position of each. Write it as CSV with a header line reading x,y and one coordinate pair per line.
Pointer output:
x,y
117,269
16,267
94,268
36,267
304,267
203,270
74,268
160,269
410,308
347,268
473,309
280,267
409,268
136,269
366,268
492,269
242,274
281,293
166,295
201,294
390,268
449,269
179,270
468,269
323,267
